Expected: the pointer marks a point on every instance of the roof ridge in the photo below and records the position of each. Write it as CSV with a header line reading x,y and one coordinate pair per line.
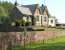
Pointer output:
x,y
32,4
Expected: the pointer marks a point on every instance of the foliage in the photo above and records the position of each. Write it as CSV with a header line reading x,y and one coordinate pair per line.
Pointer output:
x,y
28,23
5,8
5,20
22,22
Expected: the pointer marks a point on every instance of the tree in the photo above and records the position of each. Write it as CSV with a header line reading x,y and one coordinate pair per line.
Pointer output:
x,y
5,7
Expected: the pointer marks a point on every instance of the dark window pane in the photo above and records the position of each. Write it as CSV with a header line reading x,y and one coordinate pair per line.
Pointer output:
x,y
45,19
51,21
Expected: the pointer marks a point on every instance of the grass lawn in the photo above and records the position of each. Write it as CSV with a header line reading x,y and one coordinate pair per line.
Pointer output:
x,y
51,44
54,29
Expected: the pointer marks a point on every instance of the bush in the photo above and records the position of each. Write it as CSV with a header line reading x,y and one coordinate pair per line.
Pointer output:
x,y
22,22
28,23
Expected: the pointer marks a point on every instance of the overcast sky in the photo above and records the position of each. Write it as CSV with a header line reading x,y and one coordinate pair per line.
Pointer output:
x,y
55,7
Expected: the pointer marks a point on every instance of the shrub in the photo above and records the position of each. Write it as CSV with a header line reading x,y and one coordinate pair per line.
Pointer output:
x,y
28,23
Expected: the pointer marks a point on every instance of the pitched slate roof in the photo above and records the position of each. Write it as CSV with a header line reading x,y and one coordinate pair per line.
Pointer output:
x,y
24,10
31,7
44,8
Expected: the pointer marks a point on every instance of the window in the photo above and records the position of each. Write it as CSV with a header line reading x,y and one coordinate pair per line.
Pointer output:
x,y
51,21
45,19
37,18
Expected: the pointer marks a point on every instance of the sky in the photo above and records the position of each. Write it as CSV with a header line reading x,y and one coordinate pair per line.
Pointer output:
x,y
55,7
